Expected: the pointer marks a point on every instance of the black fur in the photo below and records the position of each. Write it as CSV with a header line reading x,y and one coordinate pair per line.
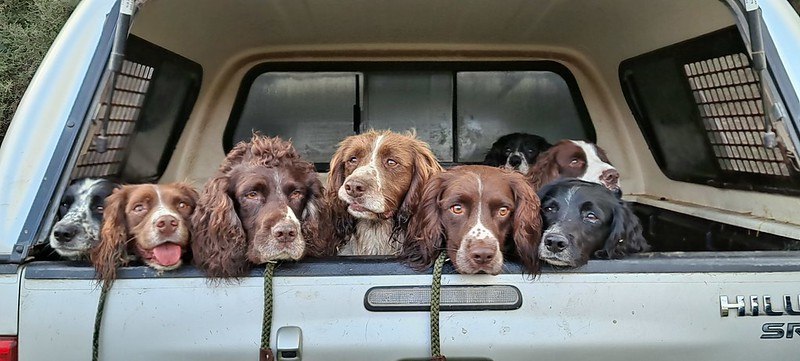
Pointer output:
x,y
80,215
583,220
505,151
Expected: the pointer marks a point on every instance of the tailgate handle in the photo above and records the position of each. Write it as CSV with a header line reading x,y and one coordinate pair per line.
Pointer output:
x,y
289,342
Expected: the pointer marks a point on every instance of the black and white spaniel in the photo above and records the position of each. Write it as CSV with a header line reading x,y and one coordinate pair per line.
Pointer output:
x,y
584,219
516,151
80,216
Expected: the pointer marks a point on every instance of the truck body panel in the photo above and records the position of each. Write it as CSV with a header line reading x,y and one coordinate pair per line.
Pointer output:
x,y
564,315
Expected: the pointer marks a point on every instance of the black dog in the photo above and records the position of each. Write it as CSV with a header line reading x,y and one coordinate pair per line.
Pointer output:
x,y
80,214
516,151
583,219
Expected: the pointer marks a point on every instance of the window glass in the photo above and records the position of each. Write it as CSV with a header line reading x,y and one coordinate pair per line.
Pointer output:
x,y
460,109
495,103
419,100
152,99
314,110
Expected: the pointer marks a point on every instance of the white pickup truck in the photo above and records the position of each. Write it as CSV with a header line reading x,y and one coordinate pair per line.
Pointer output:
x,y
704,139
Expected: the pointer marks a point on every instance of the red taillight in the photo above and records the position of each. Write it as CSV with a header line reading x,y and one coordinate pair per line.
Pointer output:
x,y
8,348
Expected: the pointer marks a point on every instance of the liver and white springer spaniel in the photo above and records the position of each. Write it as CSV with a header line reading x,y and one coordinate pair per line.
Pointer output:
x,y
374,183
264,204
471,212
575,159
149,222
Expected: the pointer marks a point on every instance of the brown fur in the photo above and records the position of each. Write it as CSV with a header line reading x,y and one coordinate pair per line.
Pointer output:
x,y
121,228
428,230
401,191
547,167
220,245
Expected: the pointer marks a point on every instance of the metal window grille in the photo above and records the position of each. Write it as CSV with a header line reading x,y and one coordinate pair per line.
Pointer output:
x,y
728,97
126,104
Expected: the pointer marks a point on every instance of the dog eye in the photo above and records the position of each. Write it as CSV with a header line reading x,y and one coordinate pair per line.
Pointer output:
x,y
503,211
508,150
138,208
457,209
251,195
591,217
297,194
182,205
574,162
99,208
549,209
391,162
353,160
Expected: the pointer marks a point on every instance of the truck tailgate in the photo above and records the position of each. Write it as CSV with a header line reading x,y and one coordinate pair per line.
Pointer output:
x,y
563,315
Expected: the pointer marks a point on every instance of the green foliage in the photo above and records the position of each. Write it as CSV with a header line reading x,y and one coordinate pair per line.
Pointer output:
x,y
27,28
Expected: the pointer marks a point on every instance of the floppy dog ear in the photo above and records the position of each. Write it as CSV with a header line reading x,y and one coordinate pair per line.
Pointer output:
x,y
544,171
527,230
342,224
335,176
494,157
188,190
314,218
625,236
112,251
219,247
425,167
542,146
425,234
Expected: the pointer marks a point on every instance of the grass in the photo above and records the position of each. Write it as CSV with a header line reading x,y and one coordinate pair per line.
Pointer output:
x,y
27,28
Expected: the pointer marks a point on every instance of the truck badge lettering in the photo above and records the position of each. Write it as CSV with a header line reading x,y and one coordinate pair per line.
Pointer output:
x,y
759,306
775,330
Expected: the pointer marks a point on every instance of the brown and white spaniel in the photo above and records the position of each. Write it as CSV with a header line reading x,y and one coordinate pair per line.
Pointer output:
x,y
471,212
264,204
574,159
148,222
374,183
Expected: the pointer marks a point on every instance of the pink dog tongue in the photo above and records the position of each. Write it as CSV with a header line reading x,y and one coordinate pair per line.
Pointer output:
x,y
167,254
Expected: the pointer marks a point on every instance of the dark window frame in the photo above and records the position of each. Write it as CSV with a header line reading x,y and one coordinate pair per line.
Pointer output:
x,y
450,66
147,53
692,50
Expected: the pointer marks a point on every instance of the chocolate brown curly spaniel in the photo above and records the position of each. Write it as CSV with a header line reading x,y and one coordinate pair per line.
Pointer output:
x,y
264,204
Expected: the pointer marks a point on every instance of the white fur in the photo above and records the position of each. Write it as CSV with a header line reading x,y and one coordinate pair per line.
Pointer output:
x,y
163,210
556,259
372,199
271,250
373,235
522,167
594,165
372,238
79,214
479,234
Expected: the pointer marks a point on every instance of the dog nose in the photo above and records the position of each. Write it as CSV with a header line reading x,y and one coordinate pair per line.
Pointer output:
x,y
555,242
166,225
514,160
284,232
64,233
482,254
610,177
355,188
